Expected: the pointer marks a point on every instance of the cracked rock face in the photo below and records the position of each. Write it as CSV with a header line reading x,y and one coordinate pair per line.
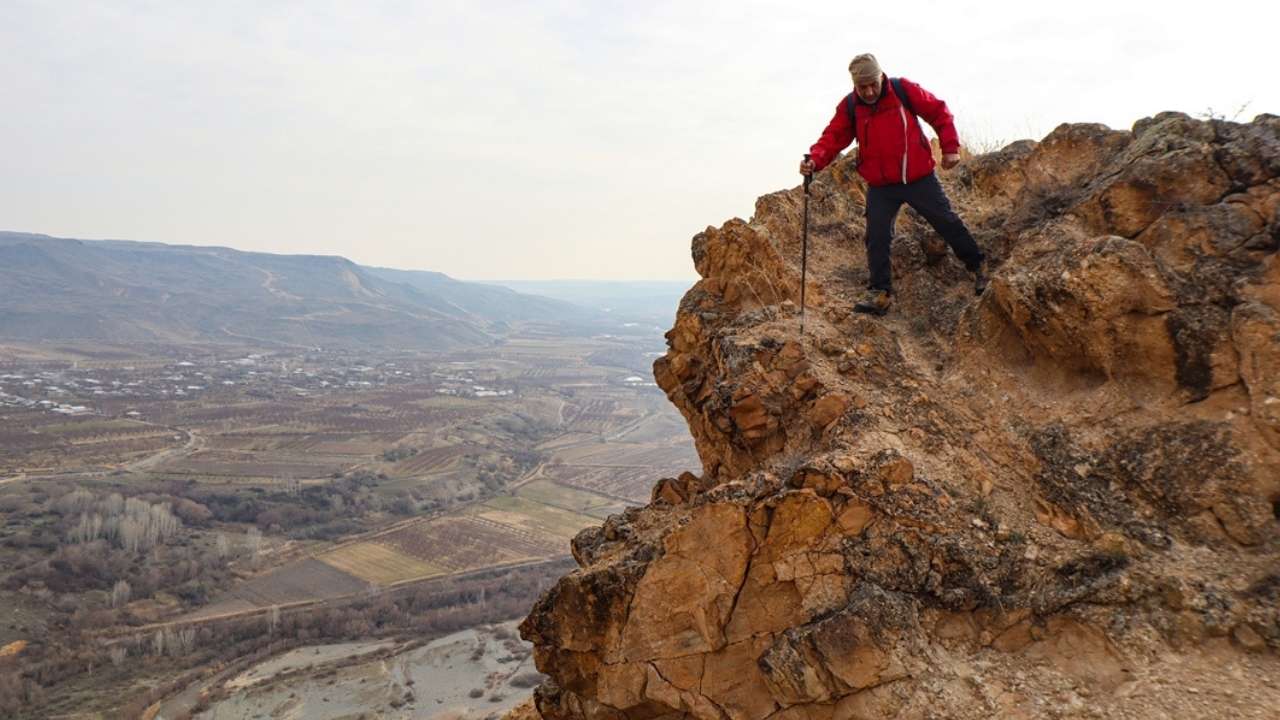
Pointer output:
x,y
1057,500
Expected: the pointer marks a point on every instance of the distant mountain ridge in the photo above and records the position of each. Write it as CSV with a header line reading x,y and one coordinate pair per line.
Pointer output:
x,y
491,301
653,300
123,291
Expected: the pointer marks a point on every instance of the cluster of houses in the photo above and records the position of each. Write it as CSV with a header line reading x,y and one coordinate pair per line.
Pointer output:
x,y
18,401
73,390
463,383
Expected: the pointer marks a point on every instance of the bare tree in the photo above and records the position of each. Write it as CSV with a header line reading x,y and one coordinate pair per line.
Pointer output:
x,y
253,541
163,523
118,653
223,547
182,641
112,504
158,642
87,530
120,594
76,501
141,525
131,534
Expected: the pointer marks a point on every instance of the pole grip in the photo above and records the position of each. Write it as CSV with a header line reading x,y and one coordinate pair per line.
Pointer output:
x,y
807,178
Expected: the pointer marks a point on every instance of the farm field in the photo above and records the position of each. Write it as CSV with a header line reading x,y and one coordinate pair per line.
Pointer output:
x,y
525,514
270,467
310,416
362,445
434,460
378,563
568,439
468,542
630,485
24,431
45,456
501,530
300,581
571,499
625,472
596,416
309,480
660,428
660,457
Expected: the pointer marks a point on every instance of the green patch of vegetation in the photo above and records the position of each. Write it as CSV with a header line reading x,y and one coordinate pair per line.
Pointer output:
x,y
396,454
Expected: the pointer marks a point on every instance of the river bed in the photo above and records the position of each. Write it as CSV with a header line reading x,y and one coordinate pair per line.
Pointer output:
x,y
466,675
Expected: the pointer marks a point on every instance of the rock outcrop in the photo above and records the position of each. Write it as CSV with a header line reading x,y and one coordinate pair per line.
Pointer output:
x,y
1059,499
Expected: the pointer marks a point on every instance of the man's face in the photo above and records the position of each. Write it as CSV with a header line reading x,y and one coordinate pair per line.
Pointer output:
x,y
869,92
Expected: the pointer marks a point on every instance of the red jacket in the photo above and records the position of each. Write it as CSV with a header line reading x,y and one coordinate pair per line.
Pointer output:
x,y
891,146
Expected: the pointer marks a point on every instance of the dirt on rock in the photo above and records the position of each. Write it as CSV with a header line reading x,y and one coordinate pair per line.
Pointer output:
x,y
1059,499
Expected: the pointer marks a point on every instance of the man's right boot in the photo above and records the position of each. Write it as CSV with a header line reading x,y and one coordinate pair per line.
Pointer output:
x,y
979,280
875,302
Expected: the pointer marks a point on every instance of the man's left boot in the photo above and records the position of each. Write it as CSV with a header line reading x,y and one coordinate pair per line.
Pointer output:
x,y
875,302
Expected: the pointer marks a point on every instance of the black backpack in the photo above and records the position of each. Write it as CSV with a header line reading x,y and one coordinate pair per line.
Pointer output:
x,y
895,84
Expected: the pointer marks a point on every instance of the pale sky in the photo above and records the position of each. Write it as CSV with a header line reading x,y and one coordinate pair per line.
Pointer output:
x,y
538,139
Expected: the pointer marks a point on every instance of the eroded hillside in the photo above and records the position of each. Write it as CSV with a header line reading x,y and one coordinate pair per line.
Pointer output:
x,y
1057,500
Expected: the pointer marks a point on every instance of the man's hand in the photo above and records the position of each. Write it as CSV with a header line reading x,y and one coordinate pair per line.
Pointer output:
x,y
806,167
950,160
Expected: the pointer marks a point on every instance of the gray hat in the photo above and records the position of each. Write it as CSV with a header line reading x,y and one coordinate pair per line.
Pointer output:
x,y
865,68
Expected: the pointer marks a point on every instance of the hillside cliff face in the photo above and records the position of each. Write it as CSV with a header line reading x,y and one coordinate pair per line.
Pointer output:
x,y
1059,499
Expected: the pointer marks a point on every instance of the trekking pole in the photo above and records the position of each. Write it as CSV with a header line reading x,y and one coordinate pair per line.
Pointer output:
x,y
804,245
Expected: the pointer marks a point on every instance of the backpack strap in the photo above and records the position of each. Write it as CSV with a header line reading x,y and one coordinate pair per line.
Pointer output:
x,y
896,84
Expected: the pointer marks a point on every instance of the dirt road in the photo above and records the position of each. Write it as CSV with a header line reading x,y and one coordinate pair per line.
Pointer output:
x,y
195,442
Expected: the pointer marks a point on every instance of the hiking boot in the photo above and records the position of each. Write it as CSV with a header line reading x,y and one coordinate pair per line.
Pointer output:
x,y
875,302
979,281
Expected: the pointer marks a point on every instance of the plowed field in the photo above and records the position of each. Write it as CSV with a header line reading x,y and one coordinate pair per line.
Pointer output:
x,y
299,581
572,499
461,543
526,514
379,563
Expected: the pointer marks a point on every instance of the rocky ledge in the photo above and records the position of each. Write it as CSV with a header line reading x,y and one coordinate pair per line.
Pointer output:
x,y
1059,499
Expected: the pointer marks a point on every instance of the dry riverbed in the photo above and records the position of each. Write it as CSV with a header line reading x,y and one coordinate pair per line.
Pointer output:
x,y
475,673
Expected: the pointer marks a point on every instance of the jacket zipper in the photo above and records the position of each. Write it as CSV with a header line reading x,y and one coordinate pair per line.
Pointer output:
x,y
905,140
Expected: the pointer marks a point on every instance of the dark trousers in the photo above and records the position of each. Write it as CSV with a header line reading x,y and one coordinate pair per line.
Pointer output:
x,y
928,199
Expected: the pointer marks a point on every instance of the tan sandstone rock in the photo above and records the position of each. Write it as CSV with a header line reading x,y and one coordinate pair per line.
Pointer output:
x,y
1060,499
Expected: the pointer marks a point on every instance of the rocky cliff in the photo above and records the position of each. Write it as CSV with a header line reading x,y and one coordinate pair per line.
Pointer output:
x,y
1058,499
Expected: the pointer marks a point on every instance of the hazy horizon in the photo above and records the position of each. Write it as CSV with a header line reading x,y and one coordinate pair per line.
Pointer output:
x,y
487,281
553,139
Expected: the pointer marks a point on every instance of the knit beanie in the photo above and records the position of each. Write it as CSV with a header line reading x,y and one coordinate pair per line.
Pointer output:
x,y
865,69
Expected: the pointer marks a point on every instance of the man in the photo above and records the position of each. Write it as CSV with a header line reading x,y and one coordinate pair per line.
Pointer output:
x,y
895,159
